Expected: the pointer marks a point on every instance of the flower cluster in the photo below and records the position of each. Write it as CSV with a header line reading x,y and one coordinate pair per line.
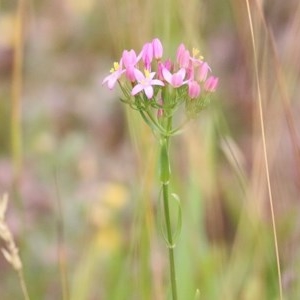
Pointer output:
x,y
149,82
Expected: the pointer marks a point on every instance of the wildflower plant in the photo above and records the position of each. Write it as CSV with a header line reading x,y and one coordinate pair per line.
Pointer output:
x,y
164,92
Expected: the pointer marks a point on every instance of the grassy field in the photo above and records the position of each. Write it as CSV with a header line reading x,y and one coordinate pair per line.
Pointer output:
x,y
81,168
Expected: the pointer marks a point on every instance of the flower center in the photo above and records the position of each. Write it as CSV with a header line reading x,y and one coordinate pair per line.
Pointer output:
x,y
147,74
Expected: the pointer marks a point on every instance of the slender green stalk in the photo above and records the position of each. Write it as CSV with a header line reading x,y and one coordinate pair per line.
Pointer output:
x,y
165,178
171,246
16,114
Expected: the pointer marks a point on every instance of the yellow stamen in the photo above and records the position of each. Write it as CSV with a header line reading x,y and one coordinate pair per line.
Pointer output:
x,y
196,53
116,67
147,73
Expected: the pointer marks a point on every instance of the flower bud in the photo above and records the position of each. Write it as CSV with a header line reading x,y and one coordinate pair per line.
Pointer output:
x,y
203,71
147,55
211,84
157,48
194,89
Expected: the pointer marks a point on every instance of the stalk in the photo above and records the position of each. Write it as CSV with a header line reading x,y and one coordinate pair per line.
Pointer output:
x,y
165,178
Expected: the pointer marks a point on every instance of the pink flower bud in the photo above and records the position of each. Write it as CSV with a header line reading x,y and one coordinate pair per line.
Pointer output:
x,y
194,89
147,55
180,50
160,111
129,60
203,71
183,56
157,48
211,84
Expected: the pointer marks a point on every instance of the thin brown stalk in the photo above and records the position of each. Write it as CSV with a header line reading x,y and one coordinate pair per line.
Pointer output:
x,y
262,125
282,88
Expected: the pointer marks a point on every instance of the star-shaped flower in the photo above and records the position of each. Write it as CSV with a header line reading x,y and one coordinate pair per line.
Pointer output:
x,y
116,73
145,83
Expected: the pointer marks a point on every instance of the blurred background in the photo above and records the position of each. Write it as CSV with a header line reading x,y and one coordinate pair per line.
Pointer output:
x,y
81,168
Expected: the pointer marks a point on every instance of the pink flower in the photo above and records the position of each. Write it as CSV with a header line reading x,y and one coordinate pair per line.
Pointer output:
x,y
176,79
145,82
183,56
130,59
147,55
116,73
157,48
194,89
211,84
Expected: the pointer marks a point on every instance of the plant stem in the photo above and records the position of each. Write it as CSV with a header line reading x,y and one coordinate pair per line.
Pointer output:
x,y
171,246
165,177
23,285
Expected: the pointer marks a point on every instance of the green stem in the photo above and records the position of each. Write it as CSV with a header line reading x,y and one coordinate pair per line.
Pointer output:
x,y
171,246
165,177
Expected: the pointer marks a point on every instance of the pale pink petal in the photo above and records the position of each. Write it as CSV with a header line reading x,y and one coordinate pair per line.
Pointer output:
x,y
157,82
110,80
149,91
137,89
176,80
139,75
182,73
167,75
151,75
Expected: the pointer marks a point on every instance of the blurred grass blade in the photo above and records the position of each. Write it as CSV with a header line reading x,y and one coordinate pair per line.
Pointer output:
x,y
262,125
17,82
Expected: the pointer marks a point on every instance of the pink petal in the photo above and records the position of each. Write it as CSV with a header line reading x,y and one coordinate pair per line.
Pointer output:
x,y
167,75
149,91
157,82
176,80
137,89
110,80
151,75
139,75
182,73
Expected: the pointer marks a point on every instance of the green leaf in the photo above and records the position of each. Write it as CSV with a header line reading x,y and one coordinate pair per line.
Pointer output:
x,y
179,217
